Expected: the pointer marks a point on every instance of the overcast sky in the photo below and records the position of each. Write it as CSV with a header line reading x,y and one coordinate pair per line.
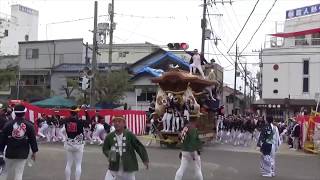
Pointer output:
x,y
163,21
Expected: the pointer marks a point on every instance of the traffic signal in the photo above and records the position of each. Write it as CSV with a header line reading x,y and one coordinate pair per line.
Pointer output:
x,y
6,33
178,46
84,83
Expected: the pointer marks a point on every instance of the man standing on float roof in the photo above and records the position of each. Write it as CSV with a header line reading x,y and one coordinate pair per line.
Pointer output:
x,y
19,136
120,147
196,61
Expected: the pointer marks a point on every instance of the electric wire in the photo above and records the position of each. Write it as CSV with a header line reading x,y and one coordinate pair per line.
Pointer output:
x,y
235,40
265,17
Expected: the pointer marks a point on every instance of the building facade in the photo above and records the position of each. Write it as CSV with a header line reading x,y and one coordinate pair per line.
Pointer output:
x,y
21,25
290,66
39,59
126,53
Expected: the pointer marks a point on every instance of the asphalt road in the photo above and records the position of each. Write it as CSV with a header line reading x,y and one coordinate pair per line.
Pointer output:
x,y
217,164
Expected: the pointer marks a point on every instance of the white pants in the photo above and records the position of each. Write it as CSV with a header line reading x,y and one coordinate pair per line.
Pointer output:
x,y
120,175
74,155
51,134
87,134
98,134
187,160
43,130
186,114
60,134
194,67
15,168
268,163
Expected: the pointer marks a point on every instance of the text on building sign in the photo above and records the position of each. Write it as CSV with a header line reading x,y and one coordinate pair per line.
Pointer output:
x,y
304,11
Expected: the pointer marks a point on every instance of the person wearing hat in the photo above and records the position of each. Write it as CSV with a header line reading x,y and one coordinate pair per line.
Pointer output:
x,y
18,136
120,148
190,150
74,143
196,61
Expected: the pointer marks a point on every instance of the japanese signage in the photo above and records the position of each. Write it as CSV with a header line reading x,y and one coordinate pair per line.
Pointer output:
x,y
304,11
28,10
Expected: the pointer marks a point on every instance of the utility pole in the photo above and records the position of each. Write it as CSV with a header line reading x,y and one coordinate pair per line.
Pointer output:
x,y
235,80
87,61
245,85
203,25
94,56
111,14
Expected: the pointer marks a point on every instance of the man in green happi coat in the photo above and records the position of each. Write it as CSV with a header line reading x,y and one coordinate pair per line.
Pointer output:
x,y
190,151
120,147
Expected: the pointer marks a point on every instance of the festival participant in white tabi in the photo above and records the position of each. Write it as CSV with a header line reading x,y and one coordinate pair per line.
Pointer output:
x,y
219,129
42,125
51,131
190,151
74,143
99,132
18,136
59,126
168,115
269,143
120,147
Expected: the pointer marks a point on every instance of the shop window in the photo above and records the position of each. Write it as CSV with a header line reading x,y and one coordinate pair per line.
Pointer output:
x,y
300,40
315,39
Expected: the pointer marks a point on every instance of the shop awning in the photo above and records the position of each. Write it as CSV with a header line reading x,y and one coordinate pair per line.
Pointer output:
x,y
297,33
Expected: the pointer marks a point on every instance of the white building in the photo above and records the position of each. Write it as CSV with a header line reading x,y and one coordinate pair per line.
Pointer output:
x,y
38,61
21,25
290,66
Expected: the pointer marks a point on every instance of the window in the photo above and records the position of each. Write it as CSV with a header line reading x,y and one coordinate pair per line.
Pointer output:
x,y
32,53
305,84
275,91
275,79
305,67
315,39
301,40
229,99
123,54
146,96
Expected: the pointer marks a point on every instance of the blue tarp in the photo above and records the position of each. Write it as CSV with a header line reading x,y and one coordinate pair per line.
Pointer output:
x,y
153,72
154,61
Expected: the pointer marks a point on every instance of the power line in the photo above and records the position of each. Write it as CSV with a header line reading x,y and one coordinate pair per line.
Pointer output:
x,y
259,26
244,25
216,45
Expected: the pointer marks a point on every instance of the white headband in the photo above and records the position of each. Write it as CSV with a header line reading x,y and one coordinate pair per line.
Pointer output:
x,y
25,110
